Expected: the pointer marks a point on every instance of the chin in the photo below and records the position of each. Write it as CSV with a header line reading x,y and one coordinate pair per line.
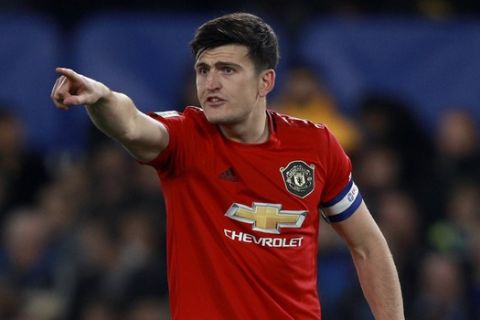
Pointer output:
x,y
216,119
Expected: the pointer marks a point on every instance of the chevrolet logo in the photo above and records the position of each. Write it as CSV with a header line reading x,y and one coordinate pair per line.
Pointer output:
x,y
267,217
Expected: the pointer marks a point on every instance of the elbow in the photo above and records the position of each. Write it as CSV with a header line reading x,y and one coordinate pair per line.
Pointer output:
x,y
126,136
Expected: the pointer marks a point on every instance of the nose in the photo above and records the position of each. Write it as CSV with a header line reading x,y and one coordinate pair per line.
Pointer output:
x,y
213,81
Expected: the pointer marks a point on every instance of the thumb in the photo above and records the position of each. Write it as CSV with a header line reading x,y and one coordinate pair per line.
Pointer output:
x,y
83,98
74,100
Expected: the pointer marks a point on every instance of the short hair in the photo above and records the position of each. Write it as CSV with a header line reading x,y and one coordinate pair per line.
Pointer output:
x,y
243,29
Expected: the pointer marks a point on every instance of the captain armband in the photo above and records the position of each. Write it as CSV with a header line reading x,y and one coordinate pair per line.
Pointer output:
x,y
343,205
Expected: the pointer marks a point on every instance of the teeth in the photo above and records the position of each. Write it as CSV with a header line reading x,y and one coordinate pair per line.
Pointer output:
x,y
214,99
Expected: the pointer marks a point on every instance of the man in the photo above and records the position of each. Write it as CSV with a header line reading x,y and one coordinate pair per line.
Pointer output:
x,y
243,185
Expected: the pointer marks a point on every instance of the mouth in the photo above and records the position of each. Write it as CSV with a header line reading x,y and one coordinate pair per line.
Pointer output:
x,y
214,101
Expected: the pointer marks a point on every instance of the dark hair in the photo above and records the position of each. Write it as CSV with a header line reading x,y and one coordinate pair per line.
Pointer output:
x,y
239,28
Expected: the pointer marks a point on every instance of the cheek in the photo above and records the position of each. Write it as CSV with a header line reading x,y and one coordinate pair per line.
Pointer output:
x,y
199,89
250,90
200,81
247,88
198,84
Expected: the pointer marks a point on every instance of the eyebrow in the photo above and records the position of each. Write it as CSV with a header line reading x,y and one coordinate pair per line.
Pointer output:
x,y
218,65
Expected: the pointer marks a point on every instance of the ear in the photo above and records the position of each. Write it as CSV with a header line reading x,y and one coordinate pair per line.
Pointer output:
x,y
266,82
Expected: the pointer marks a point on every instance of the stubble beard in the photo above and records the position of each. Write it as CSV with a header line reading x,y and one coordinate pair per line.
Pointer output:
x,y
220,117
222,120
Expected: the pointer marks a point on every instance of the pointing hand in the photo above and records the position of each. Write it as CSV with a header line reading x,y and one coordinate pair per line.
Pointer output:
x,y
72,88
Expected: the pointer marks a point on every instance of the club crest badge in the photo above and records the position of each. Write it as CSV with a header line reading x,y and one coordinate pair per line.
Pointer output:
x,y
299,178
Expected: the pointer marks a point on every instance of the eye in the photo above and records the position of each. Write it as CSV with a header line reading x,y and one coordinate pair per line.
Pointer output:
x,y
228,70
202,71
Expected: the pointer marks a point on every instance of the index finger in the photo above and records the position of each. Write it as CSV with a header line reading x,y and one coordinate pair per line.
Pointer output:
x,y
68,73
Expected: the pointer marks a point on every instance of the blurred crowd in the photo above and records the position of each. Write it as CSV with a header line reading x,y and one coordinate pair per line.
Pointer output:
x,y
82,236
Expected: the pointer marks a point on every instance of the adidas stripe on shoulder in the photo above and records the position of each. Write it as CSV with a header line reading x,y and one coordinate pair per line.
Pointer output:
x,y
167,114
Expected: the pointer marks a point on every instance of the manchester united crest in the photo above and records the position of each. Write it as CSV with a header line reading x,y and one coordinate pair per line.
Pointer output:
x,y
299,178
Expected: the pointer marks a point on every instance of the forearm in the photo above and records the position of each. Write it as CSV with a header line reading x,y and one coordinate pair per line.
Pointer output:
x,y
112,112
115,115
379,280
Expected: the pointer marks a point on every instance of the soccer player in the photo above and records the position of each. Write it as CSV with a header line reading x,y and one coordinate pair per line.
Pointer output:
x,y
245,187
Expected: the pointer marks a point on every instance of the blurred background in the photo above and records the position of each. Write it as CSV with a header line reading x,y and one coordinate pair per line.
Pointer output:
x,y
82,230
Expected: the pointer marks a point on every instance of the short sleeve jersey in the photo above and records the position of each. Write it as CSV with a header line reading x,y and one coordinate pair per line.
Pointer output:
x,y
242,219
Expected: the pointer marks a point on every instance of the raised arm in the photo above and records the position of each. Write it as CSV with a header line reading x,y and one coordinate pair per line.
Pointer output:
x,y
112,112
374,263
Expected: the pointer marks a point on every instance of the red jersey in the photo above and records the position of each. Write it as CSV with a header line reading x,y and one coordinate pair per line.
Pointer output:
x,y
242,219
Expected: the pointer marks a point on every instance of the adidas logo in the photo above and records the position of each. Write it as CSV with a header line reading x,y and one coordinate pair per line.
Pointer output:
x,y
229,175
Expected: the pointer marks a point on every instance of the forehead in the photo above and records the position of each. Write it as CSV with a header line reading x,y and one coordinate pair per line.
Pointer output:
x,y
228,53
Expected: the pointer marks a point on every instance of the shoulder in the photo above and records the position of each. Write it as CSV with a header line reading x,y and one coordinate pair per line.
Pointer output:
x,y
302,130
189,116
194,112
189,122
188,112
284,121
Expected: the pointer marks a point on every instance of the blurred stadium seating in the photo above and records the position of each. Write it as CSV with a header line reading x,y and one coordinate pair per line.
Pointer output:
x,y
28,54
145,55
434,65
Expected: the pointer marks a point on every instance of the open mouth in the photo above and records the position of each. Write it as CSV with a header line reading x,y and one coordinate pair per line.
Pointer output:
x,y
214,101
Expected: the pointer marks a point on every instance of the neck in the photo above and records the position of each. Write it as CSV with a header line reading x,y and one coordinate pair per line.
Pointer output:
x,y
253,131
